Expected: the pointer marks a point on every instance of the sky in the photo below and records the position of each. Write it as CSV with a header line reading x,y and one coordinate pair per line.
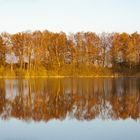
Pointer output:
x,y
70,15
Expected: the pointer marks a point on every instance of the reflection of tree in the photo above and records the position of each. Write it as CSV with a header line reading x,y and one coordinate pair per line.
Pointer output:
x,y
2,96
83,99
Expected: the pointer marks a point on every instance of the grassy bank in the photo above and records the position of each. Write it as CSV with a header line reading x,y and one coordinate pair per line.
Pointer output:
x,y
55,73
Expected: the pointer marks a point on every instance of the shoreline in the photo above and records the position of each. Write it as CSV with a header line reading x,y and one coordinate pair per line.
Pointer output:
x,y
60,76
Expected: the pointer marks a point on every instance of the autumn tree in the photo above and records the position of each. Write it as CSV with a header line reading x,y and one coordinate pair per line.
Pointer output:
x,y
18,41
9,52
80,50
119,49
105,46
2,52
57,48
135,53
92,42
37,49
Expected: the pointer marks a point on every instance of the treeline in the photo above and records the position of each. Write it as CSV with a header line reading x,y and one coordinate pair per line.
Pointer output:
x,y
82,53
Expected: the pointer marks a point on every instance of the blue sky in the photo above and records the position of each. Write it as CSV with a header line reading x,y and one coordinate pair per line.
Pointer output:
x,y
70,15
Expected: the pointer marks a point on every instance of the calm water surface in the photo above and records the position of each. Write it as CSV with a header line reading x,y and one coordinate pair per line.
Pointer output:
x,y
70,109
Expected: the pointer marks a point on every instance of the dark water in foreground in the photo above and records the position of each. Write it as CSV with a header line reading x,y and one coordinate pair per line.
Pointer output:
x,y
70,109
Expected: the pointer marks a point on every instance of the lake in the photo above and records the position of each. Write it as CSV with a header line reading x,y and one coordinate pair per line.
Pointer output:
x,y
70,109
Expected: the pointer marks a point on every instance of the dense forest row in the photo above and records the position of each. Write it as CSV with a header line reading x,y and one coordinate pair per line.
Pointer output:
x,y
44,53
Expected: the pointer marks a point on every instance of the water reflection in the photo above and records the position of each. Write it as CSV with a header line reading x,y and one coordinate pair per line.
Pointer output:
x,y
79,98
